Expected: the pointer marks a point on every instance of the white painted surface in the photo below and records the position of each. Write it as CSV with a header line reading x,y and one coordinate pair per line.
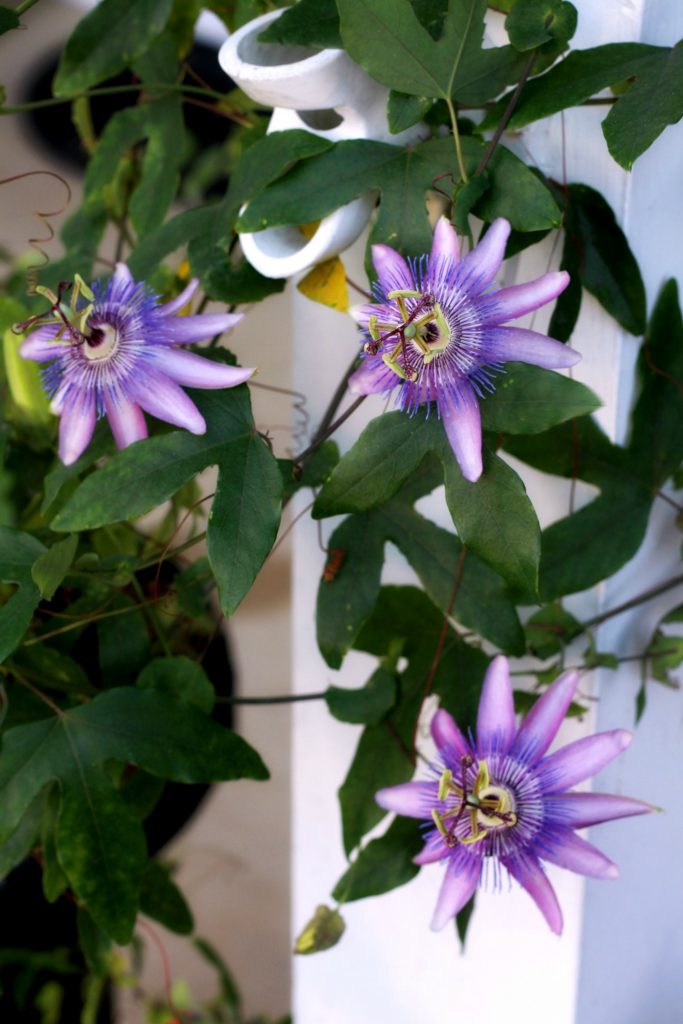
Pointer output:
x,y
621,962
633,941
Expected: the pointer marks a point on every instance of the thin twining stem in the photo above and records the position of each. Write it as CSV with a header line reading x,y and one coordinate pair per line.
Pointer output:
x,y
323,436
633,602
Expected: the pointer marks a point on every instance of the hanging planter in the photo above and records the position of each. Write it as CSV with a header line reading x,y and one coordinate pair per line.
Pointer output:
x,y
323,92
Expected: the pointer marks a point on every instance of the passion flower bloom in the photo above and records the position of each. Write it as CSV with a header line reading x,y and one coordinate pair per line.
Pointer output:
x,y
437,332
500,801
118,354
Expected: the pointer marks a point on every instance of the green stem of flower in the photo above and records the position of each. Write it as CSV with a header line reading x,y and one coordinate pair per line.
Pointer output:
x,y
507,114
456,140
24,6
285,698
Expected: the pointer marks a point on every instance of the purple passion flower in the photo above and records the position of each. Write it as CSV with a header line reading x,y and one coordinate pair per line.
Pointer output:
x,y
436,332
118,355
500,801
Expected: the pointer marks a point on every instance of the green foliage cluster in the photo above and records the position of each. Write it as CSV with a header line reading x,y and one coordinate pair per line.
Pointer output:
x,y
104,698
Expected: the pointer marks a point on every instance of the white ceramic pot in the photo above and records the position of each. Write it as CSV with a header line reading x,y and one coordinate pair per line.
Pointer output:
x,y
325,93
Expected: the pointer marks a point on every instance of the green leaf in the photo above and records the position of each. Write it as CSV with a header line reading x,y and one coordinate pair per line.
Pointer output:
x,y
264,162
597,254
107,40
656,443
123,641
482,602
367,705
22,840
387,39
18,552
93,942
379,761
496,520
654,100
403,111
8,20
52,669
664,653
244,517
54,879
549,630
160,173
405,615
246,511
49,570
100,845
493,517
229,991
323,931
162,900
345,602
529,400
591,544
179,677
312,23
462,922
60,475
383,864
321,184
389,449
531,23
165,239
315,472
516,193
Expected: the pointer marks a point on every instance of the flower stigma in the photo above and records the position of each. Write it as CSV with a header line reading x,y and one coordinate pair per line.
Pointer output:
x,y
488,807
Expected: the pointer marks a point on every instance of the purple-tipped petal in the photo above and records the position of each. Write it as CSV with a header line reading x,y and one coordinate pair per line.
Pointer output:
x,y
194,371
161,397
76,426
462,423
504,344
372,377
445,245
571,852
121,278
392,270
481,265
539,728
450,742
460,881
433,850
533,878
578,761
496,716
411,799
181,300
579,810
185,330
126,420
511,303
41,345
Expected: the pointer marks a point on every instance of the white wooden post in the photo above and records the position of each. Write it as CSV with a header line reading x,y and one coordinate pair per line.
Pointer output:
x,y
622,947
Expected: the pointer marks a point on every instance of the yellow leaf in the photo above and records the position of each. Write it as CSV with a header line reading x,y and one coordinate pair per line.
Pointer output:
x,y
23,378
326,283
323,931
